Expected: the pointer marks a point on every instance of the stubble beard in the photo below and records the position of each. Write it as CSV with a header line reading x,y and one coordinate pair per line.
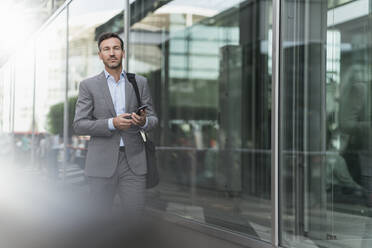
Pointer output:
x,y
114,65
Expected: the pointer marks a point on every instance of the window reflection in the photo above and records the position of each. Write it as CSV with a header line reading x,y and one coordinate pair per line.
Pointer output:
x,y
6,87
23,105
6,138
207,67
49,98
325,131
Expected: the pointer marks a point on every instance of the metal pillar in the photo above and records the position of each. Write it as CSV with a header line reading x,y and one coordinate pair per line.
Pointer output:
x,y
275,125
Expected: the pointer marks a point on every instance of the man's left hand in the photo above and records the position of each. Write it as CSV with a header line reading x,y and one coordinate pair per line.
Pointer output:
x,y
139,120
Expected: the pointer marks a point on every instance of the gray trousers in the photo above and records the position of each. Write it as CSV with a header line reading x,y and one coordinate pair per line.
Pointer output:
x,y
129,186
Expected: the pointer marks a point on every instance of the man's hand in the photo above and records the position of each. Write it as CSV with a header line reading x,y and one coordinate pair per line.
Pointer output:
x,y
122,122
139,120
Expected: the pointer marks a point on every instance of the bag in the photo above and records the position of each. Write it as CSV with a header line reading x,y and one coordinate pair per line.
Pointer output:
x,y
152,176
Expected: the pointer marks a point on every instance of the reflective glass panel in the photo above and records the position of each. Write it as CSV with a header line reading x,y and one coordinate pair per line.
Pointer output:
x,y
50,97
6,87
23,104
325,129
7,144
208,64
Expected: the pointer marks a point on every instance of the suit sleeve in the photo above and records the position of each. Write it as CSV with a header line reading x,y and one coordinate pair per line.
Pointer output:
x,y
84,123
152,119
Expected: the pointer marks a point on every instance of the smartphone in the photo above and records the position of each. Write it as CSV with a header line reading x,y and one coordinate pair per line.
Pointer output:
x,y
138,112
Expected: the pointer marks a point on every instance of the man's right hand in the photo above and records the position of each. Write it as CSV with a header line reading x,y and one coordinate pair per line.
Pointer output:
x,y
122,122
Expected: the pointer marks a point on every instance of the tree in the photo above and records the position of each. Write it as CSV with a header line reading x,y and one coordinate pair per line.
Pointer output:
x,y
55,117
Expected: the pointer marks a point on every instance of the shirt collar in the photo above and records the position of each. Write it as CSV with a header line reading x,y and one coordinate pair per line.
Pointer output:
x,y
107,75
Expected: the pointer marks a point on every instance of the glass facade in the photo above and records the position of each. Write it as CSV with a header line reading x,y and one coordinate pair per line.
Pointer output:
x,y
50,86
6,114
325,142
211,69
210,78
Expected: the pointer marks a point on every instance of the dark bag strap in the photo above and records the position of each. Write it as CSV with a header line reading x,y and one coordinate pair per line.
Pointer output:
x,y
132,79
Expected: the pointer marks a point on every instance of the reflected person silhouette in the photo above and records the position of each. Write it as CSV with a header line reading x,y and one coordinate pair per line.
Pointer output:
x,y
355,123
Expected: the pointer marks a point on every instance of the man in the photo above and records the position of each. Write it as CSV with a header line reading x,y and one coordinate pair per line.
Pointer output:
x,y
105,110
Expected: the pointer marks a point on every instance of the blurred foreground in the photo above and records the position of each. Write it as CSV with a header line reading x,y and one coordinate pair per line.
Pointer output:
x,y
36,211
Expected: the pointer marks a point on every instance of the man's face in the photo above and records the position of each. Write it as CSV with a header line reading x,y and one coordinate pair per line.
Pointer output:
x,y
111,53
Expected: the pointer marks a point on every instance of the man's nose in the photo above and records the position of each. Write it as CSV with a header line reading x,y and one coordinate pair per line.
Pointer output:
x,y
112,51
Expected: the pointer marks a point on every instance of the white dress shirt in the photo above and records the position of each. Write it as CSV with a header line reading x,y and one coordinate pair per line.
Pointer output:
x,y
117,91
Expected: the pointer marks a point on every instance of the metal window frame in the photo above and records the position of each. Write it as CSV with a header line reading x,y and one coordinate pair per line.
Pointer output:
x,y
126,26
275,123
66,107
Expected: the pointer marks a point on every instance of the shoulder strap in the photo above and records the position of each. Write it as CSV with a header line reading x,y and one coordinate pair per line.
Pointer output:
x,y
132,79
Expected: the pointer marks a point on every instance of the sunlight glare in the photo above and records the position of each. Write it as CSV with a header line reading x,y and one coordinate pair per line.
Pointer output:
x,y
13,25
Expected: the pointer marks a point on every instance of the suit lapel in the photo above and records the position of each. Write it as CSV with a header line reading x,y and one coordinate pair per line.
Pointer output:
x,y
107,94
128,93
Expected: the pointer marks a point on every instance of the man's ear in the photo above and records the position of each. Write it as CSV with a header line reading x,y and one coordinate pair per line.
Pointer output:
x,y
100,55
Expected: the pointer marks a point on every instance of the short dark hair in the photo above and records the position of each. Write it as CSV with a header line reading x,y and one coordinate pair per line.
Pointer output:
x,y
105,36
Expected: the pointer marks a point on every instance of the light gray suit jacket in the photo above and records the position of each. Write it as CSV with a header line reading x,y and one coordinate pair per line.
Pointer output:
x,y
94,108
